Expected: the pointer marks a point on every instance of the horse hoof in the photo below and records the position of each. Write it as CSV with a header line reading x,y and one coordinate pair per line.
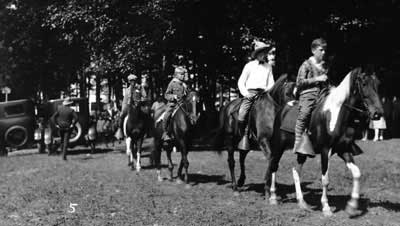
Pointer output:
x,y
138,169
179,181
327,213
273,201
241,182
304,206
236,193
160,179
188,186
351,211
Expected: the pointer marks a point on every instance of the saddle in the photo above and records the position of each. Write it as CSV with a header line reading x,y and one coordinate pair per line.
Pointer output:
x,y
291,111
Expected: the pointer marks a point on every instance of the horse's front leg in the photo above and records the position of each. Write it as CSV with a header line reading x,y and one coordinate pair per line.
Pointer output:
x,y
301,159
265,147
352,204
138,148
326,209
242,158
128,141
184,164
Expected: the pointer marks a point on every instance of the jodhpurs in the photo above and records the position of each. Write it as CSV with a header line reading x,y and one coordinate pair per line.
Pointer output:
x,y
307,103
245,107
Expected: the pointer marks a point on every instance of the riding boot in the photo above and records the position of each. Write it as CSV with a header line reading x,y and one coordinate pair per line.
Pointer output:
x,y
244,143
241,128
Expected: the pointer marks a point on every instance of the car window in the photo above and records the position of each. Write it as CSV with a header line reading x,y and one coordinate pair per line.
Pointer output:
x,y
14,110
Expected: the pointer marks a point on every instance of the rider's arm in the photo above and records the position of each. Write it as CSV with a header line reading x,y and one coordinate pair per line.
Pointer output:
x,y
302,79
169,95
242,81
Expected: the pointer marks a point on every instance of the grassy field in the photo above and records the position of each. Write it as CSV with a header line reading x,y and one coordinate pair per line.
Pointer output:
x,y
101,190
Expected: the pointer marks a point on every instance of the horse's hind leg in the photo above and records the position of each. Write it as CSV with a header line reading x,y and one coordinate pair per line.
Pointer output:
x,y
301,159
231,163
242,178
352,204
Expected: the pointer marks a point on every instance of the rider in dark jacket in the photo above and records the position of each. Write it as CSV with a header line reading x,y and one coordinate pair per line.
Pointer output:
x,y
175,94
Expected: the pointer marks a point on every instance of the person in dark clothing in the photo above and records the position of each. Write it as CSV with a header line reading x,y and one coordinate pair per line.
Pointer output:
x,y
387,109
65,118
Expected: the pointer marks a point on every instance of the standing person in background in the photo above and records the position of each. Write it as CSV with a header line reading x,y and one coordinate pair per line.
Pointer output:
x,y
396,117
65,118
387,114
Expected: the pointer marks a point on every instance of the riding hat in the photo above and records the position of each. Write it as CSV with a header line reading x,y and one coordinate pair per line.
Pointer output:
x,y
259,47
180,70
67,101
132,77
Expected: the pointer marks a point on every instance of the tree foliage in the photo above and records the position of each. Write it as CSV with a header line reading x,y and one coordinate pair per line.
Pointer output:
x,y
60,42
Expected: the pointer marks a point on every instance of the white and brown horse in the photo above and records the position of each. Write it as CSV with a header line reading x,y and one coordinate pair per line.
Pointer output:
x,y
329,133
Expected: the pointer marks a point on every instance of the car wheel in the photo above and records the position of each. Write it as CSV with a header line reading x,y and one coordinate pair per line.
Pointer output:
x,y
76,133
16,136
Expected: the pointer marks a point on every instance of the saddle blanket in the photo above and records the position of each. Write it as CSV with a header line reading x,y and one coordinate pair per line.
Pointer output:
x,y
289,117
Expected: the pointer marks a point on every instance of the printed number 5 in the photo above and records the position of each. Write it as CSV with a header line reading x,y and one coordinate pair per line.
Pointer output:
x,y
72,207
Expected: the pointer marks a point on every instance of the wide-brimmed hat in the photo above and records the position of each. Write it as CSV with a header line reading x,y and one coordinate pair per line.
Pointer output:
x,y
132,77
67,101
180,70
259,47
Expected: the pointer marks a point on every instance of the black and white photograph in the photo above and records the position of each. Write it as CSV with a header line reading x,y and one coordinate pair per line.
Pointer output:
x,y
199,112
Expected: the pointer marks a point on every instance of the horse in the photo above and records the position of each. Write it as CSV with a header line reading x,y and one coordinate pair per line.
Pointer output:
x,y
329,133
137,123
261,118
181,124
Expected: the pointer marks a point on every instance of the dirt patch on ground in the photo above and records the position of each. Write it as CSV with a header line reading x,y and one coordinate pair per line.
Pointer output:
x,y
101,190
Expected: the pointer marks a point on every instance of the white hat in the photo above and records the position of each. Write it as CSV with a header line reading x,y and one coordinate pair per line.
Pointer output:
x,y
132,77
67,101
260,46
180,70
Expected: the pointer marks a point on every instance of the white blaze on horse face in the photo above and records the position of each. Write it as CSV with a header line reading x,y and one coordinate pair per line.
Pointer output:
x,y
335,100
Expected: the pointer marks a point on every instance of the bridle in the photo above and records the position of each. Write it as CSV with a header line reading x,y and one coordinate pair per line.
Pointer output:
x,y
362,96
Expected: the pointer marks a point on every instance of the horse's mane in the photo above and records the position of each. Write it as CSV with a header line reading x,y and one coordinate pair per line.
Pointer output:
x,y
278,85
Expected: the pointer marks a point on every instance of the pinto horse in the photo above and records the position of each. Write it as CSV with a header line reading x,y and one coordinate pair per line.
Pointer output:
x,y
181,124
136,125
261,119
328,134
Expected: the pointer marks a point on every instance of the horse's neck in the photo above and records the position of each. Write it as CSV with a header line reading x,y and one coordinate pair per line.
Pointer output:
x,y
336,100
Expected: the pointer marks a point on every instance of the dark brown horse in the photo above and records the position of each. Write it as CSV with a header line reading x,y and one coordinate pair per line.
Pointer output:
x,y
329,133
181,124
261,119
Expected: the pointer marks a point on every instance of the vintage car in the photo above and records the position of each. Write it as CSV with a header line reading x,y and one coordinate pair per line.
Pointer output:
x,y
17,124
48,134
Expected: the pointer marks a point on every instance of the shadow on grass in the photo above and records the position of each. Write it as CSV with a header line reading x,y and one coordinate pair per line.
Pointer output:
x,y
197,178
313,197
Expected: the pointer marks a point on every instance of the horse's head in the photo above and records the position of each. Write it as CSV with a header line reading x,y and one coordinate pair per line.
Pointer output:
x,y
192,100
367,89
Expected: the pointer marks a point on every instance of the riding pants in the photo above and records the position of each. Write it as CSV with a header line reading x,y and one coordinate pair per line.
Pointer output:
x,y
245,106
168,111
307,103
